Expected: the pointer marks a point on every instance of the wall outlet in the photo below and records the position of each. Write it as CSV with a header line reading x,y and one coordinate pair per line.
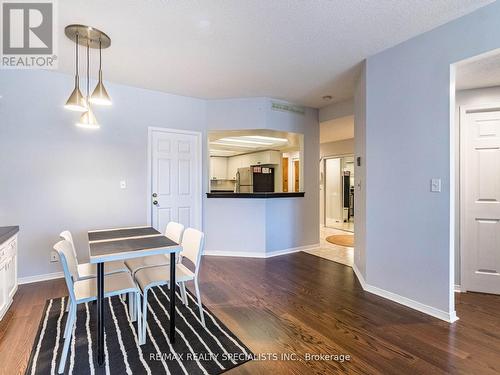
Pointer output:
x,y
54,257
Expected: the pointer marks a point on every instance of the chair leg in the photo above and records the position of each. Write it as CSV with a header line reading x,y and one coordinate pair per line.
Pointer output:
x,y
69,304
198,297
131,307
137,312
183,293
68,327
67,339
144,317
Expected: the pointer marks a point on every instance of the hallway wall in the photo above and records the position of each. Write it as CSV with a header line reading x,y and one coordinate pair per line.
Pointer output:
x,y
410,121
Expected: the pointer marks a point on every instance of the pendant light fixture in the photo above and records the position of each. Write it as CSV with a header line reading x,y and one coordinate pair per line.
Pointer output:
x,y
100,95
76,101
91,38
88,119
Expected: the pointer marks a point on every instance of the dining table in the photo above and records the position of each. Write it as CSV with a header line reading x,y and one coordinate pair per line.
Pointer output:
x,y
114,244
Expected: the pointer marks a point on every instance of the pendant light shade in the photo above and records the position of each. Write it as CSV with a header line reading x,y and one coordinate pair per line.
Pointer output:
x,y
76,101
88,120
100,96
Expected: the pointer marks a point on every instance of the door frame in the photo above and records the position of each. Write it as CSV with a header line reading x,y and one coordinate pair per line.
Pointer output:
x,y
293,160
199,176
463,112
323,170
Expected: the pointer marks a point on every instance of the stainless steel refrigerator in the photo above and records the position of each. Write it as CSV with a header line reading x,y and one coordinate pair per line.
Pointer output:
x,y
244,180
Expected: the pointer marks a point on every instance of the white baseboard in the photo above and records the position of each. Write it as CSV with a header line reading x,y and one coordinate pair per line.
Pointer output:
x,y
429,310
240,254
458,288
360,277
38,278
275,253
260,253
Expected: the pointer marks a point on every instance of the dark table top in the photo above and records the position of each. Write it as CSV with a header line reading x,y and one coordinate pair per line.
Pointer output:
x,y
127,243
101,235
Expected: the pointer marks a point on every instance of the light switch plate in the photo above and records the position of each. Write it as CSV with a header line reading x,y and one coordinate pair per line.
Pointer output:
x,y
436,185
123,184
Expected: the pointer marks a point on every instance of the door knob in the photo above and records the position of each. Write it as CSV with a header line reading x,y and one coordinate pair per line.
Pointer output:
x,y
155,203
154,195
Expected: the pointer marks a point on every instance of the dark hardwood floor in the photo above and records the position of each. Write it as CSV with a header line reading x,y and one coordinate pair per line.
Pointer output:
x,y
301,303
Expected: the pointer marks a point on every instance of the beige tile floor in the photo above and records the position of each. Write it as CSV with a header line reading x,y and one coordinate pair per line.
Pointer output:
x,y
348,227
339,254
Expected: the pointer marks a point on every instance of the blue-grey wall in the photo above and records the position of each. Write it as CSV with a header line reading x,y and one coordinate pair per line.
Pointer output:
x,y
409,230
56,176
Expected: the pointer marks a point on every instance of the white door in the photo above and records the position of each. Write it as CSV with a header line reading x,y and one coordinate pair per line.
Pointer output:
x,y
175,174
480,169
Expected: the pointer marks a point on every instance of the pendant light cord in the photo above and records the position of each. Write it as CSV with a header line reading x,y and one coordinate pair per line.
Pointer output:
x,y
100,55
77,83
88,71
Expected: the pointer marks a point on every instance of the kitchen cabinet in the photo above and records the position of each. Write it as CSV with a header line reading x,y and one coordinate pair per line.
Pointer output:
x,y
8,273
218,168
247,160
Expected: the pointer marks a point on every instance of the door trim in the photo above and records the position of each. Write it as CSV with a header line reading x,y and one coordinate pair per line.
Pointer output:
x,y
464,111
199,176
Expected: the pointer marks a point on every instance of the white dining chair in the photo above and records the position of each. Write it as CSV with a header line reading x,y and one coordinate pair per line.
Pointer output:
x,y
173,231
82,291
146,278
89,270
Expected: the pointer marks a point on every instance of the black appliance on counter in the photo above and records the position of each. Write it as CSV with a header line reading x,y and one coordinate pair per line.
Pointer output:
x,y
263,179
255,179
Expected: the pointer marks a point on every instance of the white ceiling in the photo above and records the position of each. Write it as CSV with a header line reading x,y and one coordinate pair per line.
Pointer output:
x,y
480,71
238,142
287,49
336,129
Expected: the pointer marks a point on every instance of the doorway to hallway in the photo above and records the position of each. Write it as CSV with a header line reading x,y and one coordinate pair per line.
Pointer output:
x,y
338,192
336,209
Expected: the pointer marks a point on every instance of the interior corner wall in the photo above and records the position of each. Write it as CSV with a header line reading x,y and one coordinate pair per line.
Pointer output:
x,y
294,222
360,172
470,97
261,227
409,229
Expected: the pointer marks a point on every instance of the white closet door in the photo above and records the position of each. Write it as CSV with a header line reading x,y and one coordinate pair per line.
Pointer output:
x,y
175,178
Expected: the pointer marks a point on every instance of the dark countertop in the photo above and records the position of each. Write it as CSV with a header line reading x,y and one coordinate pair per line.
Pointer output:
x,y
254,195
7,232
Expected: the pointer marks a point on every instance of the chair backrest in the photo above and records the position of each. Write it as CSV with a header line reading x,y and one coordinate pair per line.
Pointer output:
x,y
174,231
192,246
70,270
66,235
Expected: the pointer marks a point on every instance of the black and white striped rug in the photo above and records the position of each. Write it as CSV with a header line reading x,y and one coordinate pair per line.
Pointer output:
x,y
198,350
